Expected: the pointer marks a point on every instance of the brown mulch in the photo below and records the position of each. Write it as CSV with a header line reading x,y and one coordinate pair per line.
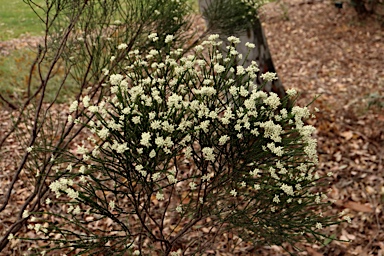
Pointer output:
x,y
320,51
331,53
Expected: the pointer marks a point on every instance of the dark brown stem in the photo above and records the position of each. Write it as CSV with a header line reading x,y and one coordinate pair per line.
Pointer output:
x,y
12,106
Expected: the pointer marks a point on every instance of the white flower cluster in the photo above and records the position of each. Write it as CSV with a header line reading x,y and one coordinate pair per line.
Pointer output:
x,y
64,184
170,107
254,4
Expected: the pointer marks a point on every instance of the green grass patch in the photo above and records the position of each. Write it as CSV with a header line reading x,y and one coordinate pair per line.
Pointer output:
x,y
14,73
17,18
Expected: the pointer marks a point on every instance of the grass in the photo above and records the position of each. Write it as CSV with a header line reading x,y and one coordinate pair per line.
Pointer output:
x,y
14,73
17,18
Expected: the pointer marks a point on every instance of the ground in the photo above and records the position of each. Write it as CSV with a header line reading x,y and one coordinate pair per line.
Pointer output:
x,y
328,52
331,54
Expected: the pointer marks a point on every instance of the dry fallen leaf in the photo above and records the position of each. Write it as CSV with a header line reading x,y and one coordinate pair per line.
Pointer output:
x,y
358,207
346,236
347,135
313,252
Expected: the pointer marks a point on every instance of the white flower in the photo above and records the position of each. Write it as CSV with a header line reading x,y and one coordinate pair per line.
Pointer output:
x,y
122,46
86,101
136,119
201,63
208,154
48,201
240,70
168,38
291,92
233,39
29,149
93,109
168,142
159,141
177,253
179,208
103,133
287,189
199,48
205,90
152,154
233,90
167,126
152,115
25,214
156,124
255,172
192,185
121,148
250,104
153,37
73,106
111,205
223,139
155,176
347,218
204,125
175,100
205,177
159,196
219,68
250,45
272,130
115,79
213,37
269,76
233,192
81,150
273,100
145,139
276,199
300,113
72,193
77,210
243,92
319,225
172,179
188,152
105,71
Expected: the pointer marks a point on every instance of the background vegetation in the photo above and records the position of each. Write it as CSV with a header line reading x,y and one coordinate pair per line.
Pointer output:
x,y
17,19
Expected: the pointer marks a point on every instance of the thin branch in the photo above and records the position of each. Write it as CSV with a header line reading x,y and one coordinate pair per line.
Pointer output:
x,y
10,104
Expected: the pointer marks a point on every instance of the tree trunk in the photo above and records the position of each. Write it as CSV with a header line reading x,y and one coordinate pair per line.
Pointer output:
x,y
360,7
247,30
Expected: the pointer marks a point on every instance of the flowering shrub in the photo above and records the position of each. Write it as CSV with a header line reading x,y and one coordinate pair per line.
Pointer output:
x,y
187,144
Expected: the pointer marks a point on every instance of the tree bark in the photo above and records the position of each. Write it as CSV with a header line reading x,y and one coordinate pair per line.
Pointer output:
x,y
251,32
360,7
